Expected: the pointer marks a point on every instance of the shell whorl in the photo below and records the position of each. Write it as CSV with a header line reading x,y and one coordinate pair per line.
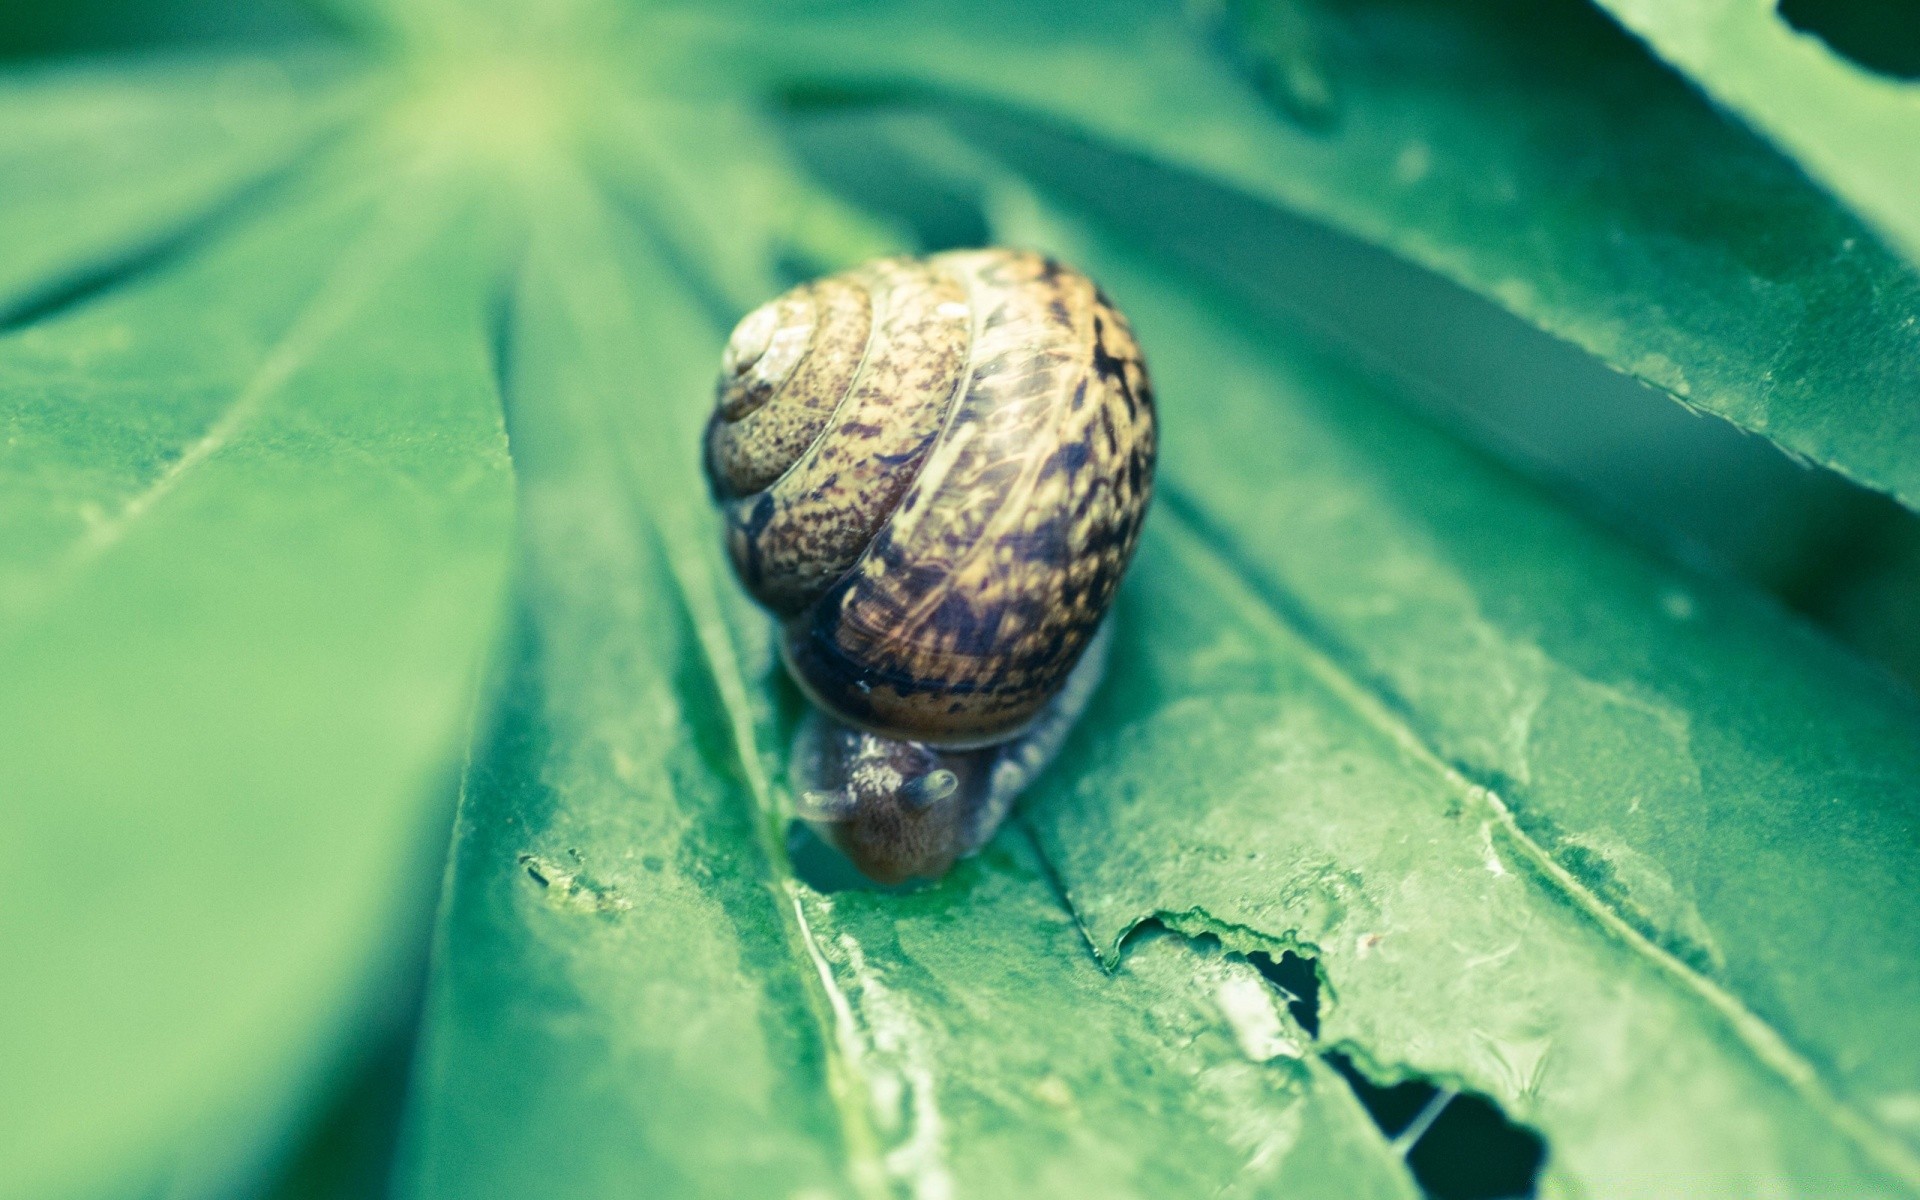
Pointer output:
x,y
934,472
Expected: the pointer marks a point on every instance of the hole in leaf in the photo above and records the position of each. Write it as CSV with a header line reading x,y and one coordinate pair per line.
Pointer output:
x,y
1473,1151
1879,35
1297,977
1458,1146
1394,1107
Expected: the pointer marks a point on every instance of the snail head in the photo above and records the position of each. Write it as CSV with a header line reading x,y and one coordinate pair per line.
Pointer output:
x,y
897,809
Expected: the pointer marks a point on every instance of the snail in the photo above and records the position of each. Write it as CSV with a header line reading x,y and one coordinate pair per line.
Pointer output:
x,y
932,473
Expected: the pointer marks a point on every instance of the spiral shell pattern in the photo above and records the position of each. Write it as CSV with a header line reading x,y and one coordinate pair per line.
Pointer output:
x,y
934,472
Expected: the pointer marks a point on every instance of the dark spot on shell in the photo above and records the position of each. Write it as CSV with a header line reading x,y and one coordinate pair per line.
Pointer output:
x,y
1105,364
818,659
760,516
967,629
1069,458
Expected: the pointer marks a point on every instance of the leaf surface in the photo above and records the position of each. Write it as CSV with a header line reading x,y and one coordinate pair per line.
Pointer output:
x,y
1615,847
1376,701
255,510
632,984
1531,152
1397,709
168,141
1856,130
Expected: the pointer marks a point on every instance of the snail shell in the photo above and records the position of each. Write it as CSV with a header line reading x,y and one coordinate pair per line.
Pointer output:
x,y
933,473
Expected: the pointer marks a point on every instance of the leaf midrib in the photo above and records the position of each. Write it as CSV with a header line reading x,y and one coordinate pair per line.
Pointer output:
x,y
693,588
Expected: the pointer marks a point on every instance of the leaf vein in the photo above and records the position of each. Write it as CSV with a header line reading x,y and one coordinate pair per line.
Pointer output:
x,y
367,262
693,587
1322,657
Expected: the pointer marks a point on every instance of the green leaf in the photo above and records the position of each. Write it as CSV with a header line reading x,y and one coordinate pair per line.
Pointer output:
x,y
255,513
1638,740
1855,130
1553,818
716,180
1531,152
168,142
1375,701
1618,850
618,856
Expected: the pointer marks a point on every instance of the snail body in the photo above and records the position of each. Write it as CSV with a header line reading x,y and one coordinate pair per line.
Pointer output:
x,y
933,472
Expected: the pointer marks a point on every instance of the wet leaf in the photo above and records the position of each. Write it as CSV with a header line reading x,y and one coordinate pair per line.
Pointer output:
x,y
1531,152
1407,782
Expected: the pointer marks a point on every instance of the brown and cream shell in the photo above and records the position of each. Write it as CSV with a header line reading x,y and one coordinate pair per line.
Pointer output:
x,y
933,472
